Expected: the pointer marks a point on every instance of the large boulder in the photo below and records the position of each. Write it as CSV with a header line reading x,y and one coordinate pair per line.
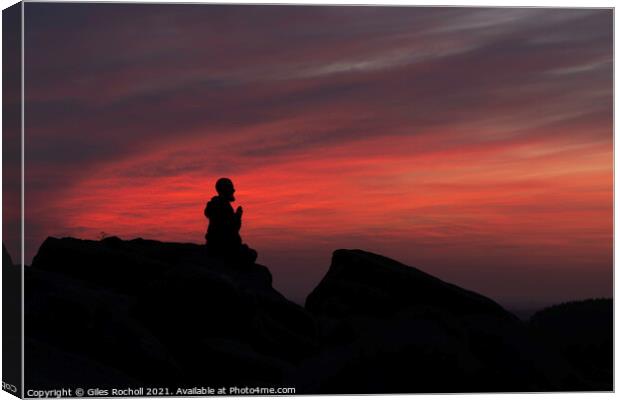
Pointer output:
x,y
582,332
67,321
142,312
388,327
359,282
156,312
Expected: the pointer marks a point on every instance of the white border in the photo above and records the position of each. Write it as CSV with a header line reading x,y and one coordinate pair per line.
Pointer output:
x,y
470,3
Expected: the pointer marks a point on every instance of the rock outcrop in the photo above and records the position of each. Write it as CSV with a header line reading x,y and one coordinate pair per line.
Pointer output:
x,y
360,282
395,328
11,320
582,332
142,312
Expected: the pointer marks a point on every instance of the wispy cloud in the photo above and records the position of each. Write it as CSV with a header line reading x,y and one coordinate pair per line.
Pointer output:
x,y
435,135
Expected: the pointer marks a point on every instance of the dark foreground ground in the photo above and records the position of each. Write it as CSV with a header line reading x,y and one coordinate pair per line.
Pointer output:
x,y
143,313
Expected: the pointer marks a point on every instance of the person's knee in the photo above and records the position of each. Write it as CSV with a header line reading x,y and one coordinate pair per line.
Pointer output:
x,y
253,255
248,254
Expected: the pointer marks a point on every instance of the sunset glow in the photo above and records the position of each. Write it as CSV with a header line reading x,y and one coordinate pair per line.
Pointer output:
x,y
475,144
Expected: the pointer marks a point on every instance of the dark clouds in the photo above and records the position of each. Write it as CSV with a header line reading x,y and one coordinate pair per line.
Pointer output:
x,y
125,74
144,91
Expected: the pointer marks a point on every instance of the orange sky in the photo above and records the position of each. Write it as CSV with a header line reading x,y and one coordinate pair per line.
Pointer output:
x,y
475,144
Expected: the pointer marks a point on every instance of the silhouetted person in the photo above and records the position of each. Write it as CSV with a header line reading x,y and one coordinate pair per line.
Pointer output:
x,y
222,236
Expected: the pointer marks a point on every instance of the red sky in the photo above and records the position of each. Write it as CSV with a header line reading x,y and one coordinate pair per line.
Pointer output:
x,y
475,144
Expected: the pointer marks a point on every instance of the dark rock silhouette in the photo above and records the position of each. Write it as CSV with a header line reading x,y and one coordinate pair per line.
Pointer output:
x,y
587,345
142,311
359,282
11,317
139,312
6,257
398,329
223,238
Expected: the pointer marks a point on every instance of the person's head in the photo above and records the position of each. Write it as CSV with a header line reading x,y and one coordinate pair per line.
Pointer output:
x,y
225,188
